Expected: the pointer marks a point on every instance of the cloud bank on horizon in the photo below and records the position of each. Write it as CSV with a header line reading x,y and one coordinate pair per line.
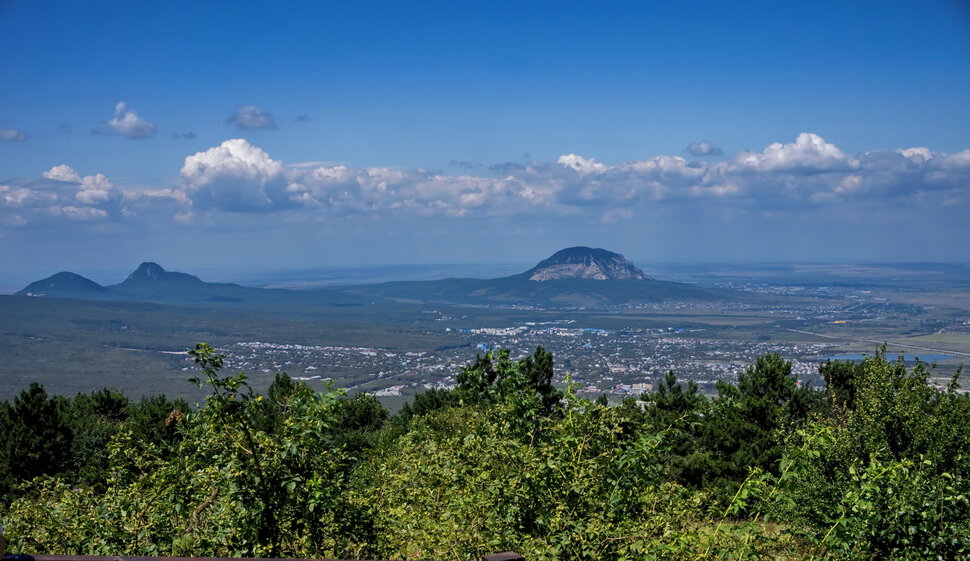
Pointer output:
x,y
239,178
487,133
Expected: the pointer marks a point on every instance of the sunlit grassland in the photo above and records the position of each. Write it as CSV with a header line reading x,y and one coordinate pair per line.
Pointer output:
x,y
950,341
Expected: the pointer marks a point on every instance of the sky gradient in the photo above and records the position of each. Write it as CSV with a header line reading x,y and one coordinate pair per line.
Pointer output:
x,y
207,135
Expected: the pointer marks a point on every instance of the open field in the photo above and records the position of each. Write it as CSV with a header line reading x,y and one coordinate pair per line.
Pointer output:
x,y
949,341
72,346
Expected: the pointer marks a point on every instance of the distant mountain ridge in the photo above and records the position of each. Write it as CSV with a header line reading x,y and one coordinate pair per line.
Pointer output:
x,y
150,282
148,278
575,277
585,263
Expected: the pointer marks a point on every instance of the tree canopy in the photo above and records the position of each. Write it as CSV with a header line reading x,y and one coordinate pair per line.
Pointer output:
x,y
872,466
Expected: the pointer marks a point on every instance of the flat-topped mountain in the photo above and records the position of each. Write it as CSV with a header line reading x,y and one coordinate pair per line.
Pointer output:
x,y
585,263
64,285
575,277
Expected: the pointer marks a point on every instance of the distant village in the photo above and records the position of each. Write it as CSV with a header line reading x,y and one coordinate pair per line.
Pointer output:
x,y
623,362
618,362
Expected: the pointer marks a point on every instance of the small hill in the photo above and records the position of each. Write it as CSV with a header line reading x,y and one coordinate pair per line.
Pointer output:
x,y
585,263
153,273
64,285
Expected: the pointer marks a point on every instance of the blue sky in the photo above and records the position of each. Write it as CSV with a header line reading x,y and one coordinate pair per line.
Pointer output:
x,y
303,134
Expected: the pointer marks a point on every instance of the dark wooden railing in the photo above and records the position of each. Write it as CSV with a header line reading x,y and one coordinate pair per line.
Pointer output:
x,y
504,556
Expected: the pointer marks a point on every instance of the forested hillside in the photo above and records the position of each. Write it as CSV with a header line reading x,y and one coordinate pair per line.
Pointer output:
x,y
872,466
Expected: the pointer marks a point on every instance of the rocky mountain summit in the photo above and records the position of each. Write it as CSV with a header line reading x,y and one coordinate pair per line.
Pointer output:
x,y
585,263
153,272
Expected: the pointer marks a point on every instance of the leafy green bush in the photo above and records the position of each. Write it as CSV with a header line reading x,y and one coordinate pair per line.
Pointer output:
x,y
885,477
507,462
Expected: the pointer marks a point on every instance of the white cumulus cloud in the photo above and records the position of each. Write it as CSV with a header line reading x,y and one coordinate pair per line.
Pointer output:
x,y
13,196
582,165
128,124
809,152
235,176
63,172
94,189
917,155
91,189
61,193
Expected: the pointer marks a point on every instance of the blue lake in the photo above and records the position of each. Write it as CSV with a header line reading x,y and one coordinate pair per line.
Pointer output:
x,y
910,358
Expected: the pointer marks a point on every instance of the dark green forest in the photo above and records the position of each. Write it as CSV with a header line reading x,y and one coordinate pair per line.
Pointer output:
x,y
874,465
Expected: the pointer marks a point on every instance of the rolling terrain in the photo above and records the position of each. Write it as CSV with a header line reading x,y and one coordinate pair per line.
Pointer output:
x,y
603,317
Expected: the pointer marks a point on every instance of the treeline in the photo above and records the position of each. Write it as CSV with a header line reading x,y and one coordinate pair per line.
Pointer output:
x,y
68,438
872,466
